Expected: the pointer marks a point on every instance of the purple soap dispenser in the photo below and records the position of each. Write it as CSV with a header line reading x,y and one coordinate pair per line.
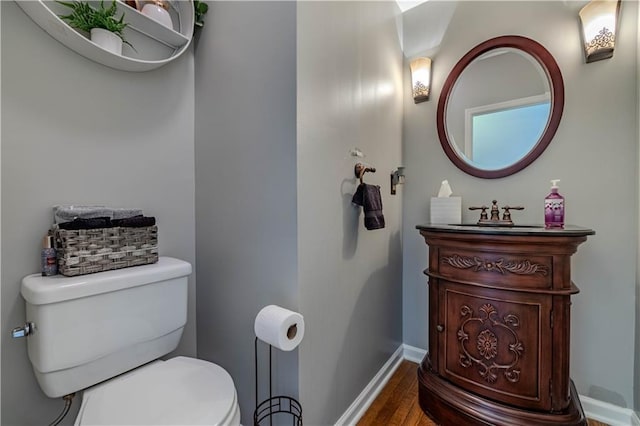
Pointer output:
x,y
554,207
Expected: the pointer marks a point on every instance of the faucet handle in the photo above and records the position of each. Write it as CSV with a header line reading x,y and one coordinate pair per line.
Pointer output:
x,y
507,215
483,213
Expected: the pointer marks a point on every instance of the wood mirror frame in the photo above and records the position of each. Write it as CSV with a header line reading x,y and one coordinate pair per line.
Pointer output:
x,y
552,71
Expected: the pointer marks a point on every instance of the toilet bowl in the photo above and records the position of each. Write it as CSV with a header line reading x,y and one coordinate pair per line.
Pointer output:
x,y
180,391
104,333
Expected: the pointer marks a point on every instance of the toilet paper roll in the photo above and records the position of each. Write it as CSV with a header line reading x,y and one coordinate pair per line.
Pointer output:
x,y
279,327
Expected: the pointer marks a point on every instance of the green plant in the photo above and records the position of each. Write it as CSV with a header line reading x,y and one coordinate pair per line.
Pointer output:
x,y
85,17
201,9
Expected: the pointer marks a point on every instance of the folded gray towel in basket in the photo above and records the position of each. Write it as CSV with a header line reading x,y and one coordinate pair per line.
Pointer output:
x,y
68,213
124,213
63,214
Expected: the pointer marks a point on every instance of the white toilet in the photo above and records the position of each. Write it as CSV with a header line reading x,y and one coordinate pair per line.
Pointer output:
x,y
89,329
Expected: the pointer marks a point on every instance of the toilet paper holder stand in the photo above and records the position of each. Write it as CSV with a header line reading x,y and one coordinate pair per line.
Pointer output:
x,y
274,405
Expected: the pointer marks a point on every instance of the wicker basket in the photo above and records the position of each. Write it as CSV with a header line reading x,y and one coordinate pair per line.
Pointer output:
x,y
86,251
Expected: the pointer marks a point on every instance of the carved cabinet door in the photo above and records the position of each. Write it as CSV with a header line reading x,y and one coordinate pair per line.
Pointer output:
x,y
496,343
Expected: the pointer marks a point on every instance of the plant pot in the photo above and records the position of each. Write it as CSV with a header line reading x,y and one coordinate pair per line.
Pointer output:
x,y
107,40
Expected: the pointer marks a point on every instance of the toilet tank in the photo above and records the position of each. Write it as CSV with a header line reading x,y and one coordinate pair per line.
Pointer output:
x,y
93,327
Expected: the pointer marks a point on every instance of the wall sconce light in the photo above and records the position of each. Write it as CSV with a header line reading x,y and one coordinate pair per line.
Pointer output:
x,y
397,178
599,19
421,79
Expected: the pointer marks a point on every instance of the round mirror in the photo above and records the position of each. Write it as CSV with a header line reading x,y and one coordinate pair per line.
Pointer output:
x,y
500,106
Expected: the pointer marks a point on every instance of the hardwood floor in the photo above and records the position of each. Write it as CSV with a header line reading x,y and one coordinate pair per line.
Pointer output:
x,y
397,404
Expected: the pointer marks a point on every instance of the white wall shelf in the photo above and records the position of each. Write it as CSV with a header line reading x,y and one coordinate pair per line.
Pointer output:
x,y
155,45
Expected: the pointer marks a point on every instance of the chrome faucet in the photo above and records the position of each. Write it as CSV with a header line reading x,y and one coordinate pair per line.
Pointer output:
x,y
495,215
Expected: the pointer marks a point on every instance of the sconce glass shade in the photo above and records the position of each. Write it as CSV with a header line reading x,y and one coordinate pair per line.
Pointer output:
x,y
421,79
599,19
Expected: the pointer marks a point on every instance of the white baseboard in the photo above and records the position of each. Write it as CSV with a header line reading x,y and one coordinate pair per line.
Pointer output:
x,y
608,413
593,408
413,354
357,409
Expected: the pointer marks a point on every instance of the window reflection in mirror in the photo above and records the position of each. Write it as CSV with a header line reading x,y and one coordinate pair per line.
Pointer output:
x,y
492,131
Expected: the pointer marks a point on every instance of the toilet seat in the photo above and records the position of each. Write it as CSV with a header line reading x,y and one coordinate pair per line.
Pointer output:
x,y
180,391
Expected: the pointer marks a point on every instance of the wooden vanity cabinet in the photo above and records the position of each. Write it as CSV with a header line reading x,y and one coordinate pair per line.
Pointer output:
x,y
499,326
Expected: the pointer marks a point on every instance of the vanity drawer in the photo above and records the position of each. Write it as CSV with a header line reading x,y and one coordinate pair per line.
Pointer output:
x,y
496,269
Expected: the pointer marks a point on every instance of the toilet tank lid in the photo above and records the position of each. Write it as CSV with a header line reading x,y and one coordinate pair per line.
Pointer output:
x,y
39,290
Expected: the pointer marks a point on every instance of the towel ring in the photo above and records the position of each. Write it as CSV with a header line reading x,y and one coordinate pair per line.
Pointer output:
x,y
360,169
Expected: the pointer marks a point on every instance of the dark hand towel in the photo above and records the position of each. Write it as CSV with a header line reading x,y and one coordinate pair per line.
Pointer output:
x,y
135,222
368,196
105,222
93,223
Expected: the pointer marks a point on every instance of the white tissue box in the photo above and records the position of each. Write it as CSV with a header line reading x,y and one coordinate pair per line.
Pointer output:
x,y
446,210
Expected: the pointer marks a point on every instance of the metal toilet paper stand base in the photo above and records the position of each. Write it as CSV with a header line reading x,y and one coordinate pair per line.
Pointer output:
x,y
273,405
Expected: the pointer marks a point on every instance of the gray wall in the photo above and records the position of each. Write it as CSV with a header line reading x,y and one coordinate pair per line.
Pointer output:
x,y
349,94
636,383
74,131
246,185
274,219
594,153
1,215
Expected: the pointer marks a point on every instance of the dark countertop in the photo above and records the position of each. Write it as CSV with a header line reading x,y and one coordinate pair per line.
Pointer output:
x,y
526,230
